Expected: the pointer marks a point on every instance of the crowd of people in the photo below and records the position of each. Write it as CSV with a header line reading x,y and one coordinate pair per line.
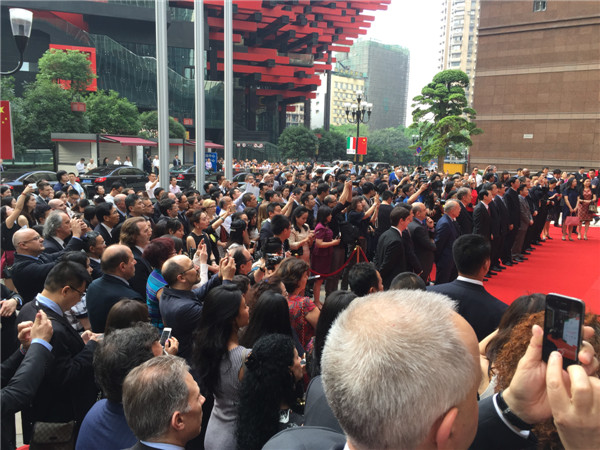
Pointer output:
x,y
287,311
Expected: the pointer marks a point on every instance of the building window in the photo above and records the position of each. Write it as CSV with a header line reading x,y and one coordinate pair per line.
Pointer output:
x,y
539,5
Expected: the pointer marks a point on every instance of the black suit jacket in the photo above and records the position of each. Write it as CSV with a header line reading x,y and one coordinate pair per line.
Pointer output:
x,y
29,274
389,256
68,389
511,200
482,221
446,232
51,245
96,269
109,238
482,310
142,272
102,294
464,220
265,233
423,244
412,262
494,215
503,216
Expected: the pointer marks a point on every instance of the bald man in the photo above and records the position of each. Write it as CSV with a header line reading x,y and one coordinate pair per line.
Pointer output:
x,y
32,264
118,266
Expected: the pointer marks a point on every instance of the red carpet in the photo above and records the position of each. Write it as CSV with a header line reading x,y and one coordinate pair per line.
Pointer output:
x,y
564,267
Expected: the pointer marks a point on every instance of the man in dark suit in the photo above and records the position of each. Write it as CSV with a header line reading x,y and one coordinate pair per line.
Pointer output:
x,y
108,221
502,227
57,231
164,381
181,304
135,234
32,264
68,389
482,217
482,310
446,232
44,192
422,232
511,200
118,265
94,246
176,162
390,257
464,219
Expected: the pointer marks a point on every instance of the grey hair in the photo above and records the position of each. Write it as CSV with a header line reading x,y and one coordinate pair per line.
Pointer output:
x,y
462,192
53,223
152,393
393,363
450,205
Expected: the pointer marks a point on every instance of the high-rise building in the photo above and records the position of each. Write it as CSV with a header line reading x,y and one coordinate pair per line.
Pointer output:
x,y
386,85
459,38
537,85
344,84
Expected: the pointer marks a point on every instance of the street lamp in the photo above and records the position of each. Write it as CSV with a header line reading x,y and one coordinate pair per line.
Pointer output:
x,y
20,22
358,113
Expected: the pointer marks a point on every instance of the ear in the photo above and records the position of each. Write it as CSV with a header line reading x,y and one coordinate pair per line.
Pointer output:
x,y
443,434
177,422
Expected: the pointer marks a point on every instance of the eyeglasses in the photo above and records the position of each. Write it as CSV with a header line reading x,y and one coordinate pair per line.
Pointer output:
x,y
187,270
38,238
81,294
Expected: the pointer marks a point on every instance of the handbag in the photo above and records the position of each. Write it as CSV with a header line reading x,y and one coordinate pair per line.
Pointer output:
x,y
53,436
572,221
593,208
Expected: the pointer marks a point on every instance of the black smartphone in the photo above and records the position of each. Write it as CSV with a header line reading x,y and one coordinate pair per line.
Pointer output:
x,y
164,337
563,327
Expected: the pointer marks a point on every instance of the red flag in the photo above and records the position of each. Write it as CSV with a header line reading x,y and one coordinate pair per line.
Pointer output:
x,y
7,150
362,146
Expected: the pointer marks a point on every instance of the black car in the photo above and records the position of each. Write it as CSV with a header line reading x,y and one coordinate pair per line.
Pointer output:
x,y
131,177
17,182
186,176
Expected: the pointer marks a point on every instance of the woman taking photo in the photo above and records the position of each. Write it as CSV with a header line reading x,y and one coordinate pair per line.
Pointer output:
x,y
268,402
571,197
301,237
323,251
587,199
303,312
200,223
219,360
156,253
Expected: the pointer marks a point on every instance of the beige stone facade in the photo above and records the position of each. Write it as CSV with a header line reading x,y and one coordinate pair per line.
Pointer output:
x,y
537,85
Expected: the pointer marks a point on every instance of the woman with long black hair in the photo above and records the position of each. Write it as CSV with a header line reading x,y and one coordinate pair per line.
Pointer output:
x,y
268,402
218,359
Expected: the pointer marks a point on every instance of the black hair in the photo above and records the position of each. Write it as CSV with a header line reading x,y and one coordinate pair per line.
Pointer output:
x,y
221,307
334,304
323,213
124,314
470,252
66,273
102,210
362,277
130,201
268,383
270,314
408,280
297,213
279,223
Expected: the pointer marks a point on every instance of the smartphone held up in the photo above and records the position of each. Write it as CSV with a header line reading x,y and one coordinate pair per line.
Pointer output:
x,y
563,328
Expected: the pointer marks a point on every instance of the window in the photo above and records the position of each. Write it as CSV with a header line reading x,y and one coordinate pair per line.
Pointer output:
x,y
539,5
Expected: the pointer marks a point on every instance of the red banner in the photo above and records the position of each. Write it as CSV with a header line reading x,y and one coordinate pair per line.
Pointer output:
x,y
7,150
362,146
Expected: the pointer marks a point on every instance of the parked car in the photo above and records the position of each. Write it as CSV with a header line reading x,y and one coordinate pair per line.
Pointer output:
x,y
374,166
186,176
17,182
131,177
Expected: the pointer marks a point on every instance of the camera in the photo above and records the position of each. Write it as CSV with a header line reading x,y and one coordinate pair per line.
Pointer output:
x,y
271,260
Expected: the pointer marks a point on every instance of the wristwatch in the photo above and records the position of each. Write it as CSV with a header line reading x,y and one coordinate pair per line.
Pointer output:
x,y
511,417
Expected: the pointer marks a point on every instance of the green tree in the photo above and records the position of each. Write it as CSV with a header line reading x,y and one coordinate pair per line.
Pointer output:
x,y
297,143
442,117
71,66
390,145
47,109
109,113
332,144
149,126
